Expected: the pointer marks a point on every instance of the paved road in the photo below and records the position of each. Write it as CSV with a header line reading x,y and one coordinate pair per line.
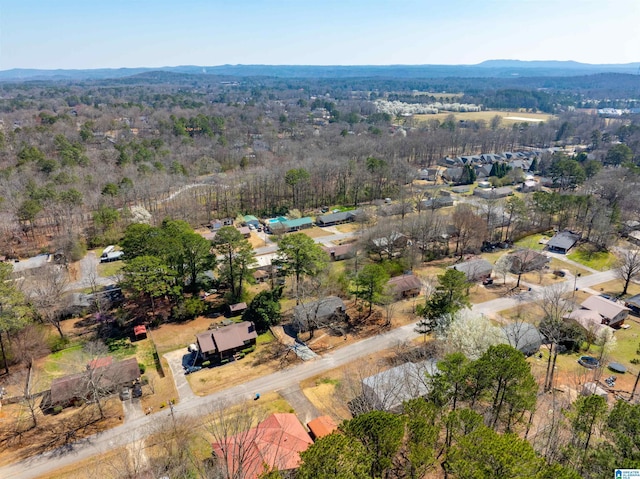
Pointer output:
x,y
284,379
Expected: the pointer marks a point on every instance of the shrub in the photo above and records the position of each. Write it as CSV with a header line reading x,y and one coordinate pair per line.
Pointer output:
x,y
57,409
142,367
144,380
188,309
58,344
206,364
224,361
249,350
635,361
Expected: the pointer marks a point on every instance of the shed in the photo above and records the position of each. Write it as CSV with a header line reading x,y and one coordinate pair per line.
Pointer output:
x,y
321,426
140,331
237,308
562,242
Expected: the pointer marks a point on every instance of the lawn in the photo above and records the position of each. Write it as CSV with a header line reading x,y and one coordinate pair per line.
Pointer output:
x,y
614,288
172,336
599,260
532,242
106,270
315,232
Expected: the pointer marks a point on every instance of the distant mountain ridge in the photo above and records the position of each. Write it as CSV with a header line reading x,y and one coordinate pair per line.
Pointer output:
x,y
489,68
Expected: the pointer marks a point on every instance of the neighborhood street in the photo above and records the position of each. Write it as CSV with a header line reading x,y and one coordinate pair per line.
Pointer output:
x,y
285,380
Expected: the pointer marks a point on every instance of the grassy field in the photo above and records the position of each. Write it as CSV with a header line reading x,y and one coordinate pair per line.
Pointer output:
x,y
508,118
599,260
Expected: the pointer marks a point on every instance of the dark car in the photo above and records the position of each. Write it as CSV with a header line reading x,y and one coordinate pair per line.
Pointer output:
x,y
192,369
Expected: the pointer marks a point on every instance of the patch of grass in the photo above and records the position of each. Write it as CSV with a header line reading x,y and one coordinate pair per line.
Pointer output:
x,y
599,260
121,348
531,242
333,381
265,338
106,270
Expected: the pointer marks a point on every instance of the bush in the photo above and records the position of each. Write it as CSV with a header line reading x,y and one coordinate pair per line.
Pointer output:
x,y
57,409
206,364
142,367
249,350
189,308
58,344
144,380
635,361
224,361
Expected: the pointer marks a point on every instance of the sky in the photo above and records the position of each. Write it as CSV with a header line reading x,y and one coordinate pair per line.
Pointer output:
x,y
79,34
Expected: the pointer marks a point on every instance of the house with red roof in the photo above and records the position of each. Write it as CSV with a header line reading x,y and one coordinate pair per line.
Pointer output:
x,y
276,443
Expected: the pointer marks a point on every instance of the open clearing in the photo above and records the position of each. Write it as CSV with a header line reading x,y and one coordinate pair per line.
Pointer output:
x,y
508,117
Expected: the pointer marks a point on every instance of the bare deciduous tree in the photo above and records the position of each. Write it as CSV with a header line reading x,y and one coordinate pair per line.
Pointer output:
x,y
47,291
628,267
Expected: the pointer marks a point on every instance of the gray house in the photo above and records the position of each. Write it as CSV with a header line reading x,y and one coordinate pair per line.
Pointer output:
x,y
562,242
386,391
525,337
318,313
475,270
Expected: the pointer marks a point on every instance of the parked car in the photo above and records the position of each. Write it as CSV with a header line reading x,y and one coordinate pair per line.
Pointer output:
x,y
192,369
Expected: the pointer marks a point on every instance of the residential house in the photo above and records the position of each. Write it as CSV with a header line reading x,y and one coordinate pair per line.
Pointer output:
x,y
529,186
321,426
340,252
337,218
436,203
453,175
493,193
216,224
274,444
633,303
563,241
461,189
388,390
527,260
588,320
260,275
244,231
395,209
109,377
475,270
390,244
524,337
483,171
251,220
287,226
613,314
224,342
319,313
634,237
405,286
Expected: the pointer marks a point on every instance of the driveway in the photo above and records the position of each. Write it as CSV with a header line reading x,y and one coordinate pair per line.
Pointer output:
x,y
177,361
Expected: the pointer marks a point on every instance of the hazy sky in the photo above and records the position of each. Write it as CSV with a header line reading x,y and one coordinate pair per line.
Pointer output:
x,y
131,33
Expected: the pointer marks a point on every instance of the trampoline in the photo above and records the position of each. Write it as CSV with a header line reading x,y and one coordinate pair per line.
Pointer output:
x,y
618,368
588,362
